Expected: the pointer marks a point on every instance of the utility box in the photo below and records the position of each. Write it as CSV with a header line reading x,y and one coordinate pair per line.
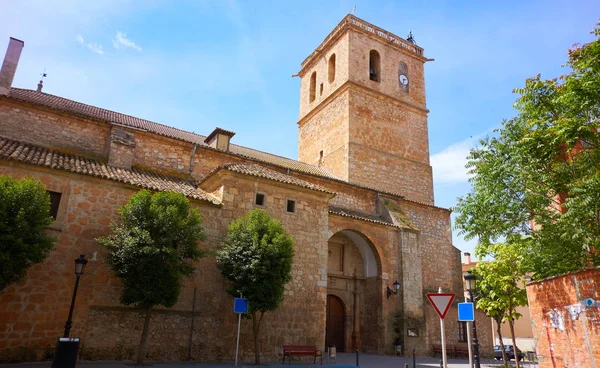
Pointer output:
x,y
66,352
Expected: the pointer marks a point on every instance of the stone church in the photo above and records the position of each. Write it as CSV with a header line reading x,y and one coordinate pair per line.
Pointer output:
x,y
358,202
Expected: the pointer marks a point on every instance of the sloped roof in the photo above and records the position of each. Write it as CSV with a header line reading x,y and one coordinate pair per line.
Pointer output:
x,y
13,150
96,113
266,173
360,216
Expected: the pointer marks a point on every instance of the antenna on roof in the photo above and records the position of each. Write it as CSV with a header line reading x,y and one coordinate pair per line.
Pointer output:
x,y
41,84
353,9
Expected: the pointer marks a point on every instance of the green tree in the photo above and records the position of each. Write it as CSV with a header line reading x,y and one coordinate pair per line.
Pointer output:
x,y
24,216
256,258
537,181
500,289
151,248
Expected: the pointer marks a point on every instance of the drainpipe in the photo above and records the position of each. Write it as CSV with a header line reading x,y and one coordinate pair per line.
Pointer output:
x,y
192,159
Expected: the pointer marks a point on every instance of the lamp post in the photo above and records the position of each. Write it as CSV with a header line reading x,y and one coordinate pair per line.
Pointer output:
x,y
79,267
470,283
393,291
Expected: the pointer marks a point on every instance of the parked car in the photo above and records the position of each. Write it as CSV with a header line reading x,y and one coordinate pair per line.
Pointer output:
x,y
510,352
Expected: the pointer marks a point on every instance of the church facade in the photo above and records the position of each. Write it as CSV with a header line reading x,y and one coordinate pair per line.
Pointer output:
x,y
358,203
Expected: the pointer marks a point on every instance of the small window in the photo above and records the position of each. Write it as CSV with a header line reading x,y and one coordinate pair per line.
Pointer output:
x,y
461,331
313,87
259,199
320,157
291,205
331,68
54,203
321,90
374,66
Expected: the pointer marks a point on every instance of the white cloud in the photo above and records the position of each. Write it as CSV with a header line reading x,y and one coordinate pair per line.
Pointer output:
x,y
94,47
121,41
449,164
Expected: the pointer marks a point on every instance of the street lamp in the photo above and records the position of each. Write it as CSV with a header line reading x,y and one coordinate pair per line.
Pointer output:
x,y
79,267
470,283
394,291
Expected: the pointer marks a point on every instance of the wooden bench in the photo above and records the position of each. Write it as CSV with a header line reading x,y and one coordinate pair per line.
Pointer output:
x,y
437,348
299,350
461,350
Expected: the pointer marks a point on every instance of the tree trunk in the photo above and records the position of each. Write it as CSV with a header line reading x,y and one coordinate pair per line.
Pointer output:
x,y
511,323
255,330
144,340
504,357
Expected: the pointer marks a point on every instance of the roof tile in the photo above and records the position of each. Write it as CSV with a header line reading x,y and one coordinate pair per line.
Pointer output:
x,y
263,172
23,152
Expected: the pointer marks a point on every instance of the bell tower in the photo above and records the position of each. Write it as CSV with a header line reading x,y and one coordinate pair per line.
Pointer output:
x,y
363,115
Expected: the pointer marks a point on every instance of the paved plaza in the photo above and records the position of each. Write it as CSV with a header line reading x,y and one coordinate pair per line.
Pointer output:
x,y
344,360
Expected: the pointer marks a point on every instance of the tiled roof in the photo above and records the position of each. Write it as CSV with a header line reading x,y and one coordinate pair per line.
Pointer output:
x,y
96,113
263,172
360,216
35,155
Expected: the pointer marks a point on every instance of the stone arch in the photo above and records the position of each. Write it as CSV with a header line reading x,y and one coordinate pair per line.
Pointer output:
x,y
354,275
374,66
312,93
331,68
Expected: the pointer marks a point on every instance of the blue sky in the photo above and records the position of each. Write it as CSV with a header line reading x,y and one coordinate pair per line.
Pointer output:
x,y
200,64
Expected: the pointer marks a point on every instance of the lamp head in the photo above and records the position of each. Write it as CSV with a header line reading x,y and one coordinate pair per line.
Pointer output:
x,y
80,264
469,280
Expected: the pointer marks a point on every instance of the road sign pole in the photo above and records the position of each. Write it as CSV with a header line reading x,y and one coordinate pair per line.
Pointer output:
x,y
441,303
444,358
237,345
469,346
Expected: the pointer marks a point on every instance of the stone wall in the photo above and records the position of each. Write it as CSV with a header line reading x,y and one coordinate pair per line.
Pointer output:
x,y
566,329
50,129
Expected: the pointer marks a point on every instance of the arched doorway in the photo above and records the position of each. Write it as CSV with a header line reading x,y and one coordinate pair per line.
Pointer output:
x,y
354,293
335,332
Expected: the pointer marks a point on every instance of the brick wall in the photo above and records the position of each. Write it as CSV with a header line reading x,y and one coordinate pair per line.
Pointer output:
x,y
567,332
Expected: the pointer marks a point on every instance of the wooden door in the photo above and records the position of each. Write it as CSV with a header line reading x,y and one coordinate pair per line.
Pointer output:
x,y
335,330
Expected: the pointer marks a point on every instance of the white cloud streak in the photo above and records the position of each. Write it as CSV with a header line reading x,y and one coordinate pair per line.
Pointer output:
x,y
94,47
449,164
121,41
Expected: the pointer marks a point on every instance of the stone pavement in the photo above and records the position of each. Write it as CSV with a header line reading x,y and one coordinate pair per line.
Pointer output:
x,y
344,361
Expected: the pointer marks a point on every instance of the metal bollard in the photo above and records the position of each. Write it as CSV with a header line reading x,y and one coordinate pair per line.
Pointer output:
x,y
357,358
441,364
414,359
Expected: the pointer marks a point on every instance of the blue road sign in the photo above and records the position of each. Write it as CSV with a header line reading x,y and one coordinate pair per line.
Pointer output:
x,y
240,305
466,312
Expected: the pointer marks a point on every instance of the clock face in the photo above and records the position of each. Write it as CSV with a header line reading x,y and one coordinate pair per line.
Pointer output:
x,y
403,79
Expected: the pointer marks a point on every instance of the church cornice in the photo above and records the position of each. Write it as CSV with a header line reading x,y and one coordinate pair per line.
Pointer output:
x,y
350,22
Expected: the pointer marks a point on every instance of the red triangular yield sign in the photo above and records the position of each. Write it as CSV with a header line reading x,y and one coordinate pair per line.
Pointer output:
x,y
441,303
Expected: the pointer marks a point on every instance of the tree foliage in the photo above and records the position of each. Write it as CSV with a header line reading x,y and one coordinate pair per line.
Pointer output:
x,y
500,287
537,182
24,216
256,258
151,248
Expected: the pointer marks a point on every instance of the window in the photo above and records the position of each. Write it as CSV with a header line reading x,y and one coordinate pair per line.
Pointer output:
x,y
313,87
321,90
291,205
374,69
54,203
331,69
320,157
259,199
461,331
